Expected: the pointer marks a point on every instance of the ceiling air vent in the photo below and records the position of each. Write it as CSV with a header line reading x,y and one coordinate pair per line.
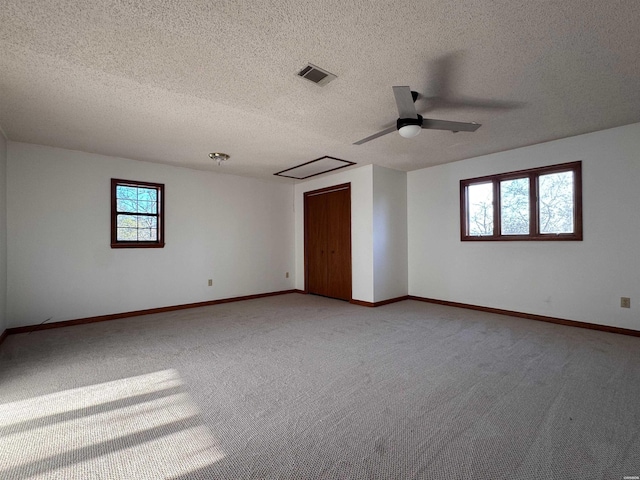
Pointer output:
x,y
316,75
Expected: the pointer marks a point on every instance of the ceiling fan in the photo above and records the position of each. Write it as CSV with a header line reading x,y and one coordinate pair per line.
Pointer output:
x,y
410,124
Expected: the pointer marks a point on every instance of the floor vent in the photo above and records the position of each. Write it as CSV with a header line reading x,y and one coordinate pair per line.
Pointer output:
x,y
316,75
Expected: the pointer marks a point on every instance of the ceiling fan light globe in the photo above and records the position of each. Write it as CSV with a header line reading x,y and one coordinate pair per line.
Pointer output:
x,y
409,131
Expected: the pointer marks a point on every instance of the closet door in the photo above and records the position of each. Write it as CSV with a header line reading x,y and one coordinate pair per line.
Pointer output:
x,y
316,243
328,242
339,244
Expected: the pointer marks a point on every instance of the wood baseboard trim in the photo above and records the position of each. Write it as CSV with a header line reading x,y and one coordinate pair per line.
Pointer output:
x,y
3,335
498,311
362,303
531,316
297,290
136,313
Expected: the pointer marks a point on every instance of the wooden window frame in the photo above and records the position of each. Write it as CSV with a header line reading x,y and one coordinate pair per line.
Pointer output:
x,y
534,234
115,243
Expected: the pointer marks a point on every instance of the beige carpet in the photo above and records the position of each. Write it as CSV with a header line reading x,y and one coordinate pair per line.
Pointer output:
x,y
299,386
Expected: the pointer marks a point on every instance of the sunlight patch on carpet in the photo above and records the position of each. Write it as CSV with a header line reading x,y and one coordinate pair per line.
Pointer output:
x,y
138,427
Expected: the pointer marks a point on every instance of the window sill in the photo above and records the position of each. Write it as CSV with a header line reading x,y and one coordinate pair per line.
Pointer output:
x,y
524,238
137,245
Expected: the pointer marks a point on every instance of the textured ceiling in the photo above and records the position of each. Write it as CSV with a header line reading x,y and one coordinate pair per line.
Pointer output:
x,y
172,81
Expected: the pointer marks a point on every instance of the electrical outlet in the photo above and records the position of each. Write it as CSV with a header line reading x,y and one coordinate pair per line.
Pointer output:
x,y
625,302
210,282
286,275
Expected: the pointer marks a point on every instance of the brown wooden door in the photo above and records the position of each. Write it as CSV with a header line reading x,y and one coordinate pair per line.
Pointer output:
x,y
339,244
316,243
328,242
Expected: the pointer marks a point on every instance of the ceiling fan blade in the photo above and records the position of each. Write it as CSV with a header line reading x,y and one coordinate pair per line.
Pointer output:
x,y
471,103
404,100
376,135
443,71
451,126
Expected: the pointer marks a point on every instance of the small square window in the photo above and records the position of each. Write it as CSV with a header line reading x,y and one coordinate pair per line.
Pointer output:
x,y
137,214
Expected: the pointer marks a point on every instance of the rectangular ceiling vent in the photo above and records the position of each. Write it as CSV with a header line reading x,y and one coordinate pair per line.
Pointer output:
x,y
316,75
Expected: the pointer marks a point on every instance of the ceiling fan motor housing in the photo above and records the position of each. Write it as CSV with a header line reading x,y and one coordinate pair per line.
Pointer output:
x,y
409,127
403,122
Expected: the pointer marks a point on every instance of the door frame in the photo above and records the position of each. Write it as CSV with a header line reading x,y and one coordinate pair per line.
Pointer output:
x,y
321,191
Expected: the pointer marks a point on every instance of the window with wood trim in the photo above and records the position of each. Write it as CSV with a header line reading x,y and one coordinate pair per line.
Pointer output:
x,y
137,214
537,204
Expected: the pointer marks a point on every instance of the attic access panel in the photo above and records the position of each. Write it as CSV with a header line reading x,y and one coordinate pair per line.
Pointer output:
x,y
314,167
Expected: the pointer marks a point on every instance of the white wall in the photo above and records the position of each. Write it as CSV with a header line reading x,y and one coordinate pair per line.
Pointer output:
x,y
389,233
236,231
3,232
361,180
580,281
